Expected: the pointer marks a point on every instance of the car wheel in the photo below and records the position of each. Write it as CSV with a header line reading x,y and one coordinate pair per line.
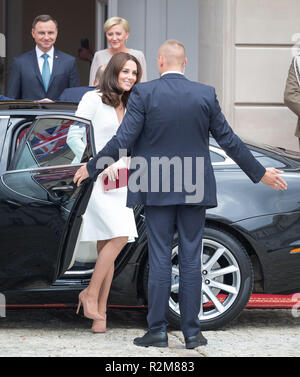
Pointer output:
x,y
227,280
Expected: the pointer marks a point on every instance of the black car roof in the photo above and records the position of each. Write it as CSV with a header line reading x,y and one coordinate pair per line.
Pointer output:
x,y
15,107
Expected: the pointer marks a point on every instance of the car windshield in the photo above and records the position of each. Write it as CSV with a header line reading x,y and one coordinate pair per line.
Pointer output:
x,y
258,149
294,155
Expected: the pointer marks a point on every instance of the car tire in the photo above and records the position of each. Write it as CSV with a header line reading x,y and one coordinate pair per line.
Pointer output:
x,y
237,282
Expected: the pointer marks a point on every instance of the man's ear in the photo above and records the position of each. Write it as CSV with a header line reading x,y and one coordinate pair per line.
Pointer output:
x,y
160,60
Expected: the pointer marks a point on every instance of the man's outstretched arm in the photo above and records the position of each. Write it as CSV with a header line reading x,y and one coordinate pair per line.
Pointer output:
x,y
240,153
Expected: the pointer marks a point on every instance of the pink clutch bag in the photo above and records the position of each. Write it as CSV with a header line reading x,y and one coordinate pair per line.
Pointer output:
x,y
122,181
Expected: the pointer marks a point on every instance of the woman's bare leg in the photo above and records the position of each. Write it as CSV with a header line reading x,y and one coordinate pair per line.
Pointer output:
x,y
104,264
105,287
100,326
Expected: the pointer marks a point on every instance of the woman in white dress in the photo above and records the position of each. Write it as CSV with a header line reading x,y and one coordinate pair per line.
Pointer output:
x,y
117,31
107,219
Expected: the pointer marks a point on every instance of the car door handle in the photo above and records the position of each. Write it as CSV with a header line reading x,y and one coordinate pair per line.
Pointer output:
x,y
13,204
63,188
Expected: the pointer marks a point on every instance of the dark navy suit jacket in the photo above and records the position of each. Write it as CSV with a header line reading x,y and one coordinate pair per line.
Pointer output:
x,y
173,116
26,80
75,94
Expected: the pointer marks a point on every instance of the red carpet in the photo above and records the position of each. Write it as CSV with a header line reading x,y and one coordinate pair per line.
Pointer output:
x,y
257,301
260,301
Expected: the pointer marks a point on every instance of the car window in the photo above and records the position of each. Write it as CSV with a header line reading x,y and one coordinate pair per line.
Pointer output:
x,y
268,162
53,142
216,157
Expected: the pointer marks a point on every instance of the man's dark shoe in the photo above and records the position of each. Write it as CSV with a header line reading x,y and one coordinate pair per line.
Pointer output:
x,y
157,339
195,341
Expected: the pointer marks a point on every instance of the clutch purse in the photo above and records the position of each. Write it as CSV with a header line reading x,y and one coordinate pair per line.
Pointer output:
x,y
122,181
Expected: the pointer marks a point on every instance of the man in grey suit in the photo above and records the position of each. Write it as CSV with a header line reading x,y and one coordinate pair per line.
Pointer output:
x,y
292,91
43,72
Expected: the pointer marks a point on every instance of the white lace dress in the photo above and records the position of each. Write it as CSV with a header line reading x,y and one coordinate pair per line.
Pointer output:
x,y
106,216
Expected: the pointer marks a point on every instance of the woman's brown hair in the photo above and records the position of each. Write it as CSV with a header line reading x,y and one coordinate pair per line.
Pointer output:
x,y
109,84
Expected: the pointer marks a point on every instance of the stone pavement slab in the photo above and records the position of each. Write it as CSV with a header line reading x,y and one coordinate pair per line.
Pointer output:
x,y
59,332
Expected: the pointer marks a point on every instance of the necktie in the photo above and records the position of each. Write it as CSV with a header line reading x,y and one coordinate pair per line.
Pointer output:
x,y
46,72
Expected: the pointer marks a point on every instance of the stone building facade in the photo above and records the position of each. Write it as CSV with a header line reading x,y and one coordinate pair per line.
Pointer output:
x,y
243,48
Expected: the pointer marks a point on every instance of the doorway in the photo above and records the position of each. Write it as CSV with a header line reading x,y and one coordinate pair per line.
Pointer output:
x,y
76,22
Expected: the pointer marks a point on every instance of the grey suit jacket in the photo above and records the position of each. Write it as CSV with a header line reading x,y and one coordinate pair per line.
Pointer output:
x,y
292,93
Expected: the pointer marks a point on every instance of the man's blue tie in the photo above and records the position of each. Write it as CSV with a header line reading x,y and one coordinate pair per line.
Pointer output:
x,y
46,72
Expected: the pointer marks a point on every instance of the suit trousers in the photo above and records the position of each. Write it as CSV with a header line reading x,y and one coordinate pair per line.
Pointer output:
x,y
162,223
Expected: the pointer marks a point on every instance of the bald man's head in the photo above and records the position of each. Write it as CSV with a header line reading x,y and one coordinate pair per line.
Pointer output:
x,y
171,56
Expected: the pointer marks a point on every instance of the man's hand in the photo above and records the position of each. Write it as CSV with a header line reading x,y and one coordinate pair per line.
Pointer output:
x,y
81,175
273,179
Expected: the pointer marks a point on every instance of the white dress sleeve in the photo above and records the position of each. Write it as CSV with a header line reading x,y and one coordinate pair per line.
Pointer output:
x,y
88,105
76,138
124,162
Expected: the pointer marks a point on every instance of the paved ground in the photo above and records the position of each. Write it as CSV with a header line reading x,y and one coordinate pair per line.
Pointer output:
x,y
59,332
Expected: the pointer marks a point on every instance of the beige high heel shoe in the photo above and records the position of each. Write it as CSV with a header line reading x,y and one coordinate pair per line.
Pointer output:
x,y
99,325
87,307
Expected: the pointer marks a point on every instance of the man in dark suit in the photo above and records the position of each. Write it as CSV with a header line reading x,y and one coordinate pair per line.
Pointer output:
x,y
76,94
43,72
170,119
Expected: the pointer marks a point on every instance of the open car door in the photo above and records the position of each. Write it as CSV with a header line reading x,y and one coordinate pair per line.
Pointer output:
x,y
4,120
40,207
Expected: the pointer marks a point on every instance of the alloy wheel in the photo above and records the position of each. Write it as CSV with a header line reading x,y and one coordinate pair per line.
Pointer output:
x,y
221,280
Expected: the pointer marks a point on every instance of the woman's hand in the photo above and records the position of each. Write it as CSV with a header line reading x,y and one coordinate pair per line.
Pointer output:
x,y
111,172
81,175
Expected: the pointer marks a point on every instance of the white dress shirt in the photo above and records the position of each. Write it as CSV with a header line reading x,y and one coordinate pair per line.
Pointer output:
x,y
165,73
39,54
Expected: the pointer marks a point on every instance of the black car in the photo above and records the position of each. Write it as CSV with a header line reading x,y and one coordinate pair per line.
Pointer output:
x,y
251,240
